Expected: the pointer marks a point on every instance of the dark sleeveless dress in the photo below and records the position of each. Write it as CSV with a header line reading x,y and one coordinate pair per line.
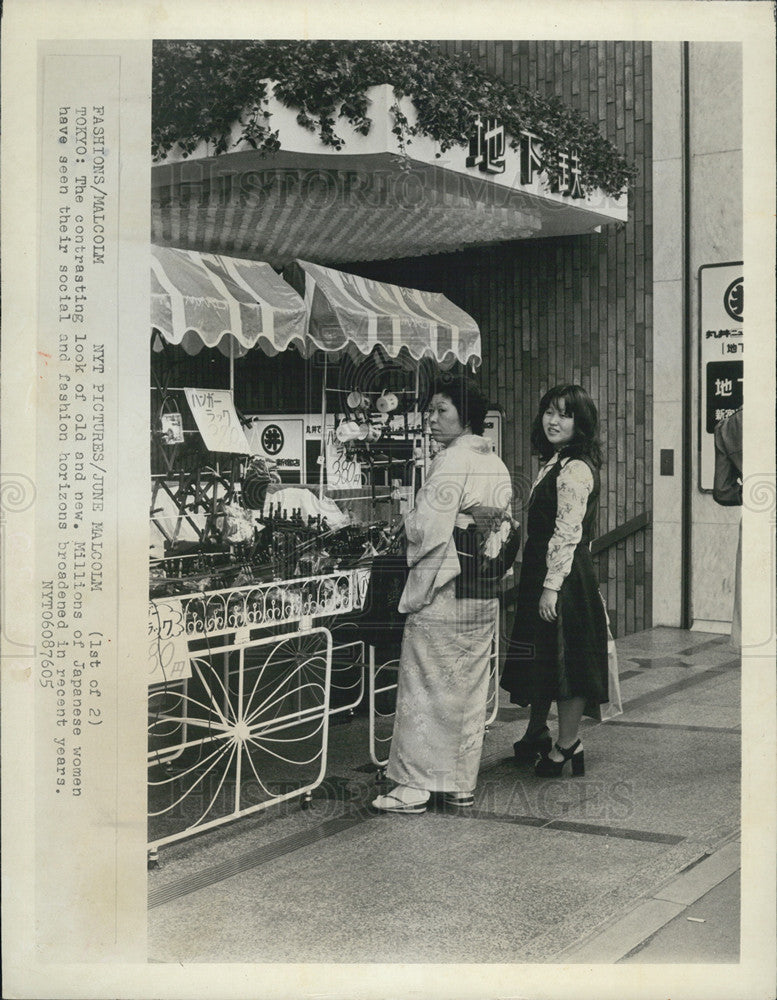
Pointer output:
x,y
566,658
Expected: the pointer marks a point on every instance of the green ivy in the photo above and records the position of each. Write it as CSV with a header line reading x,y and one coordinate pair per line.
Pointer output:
x,y
202,88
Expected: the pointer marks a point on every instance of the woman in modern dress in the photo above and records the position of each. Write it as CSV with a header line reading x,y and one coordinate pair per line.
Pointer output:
x,y
446,645
558,649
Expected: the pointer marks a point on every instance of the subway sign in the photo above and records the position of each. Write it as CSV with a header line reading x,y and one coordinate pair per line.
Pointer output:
x,y
721,356
488,147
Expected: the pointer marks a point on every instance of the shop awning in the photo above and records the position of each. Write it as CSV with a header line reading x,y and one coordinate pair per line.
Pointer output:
x,y
208,300
347,311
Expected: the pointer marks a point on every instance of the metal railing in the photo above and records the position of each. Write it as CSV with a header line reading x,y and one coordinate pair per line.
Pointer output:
x,y
629,527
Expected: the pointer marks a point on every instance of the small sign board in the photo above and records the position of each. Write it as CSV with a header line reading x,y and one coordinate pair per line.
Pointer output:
x,y
217,420
492,430
168,647
172,428
343,471
280,440
721,356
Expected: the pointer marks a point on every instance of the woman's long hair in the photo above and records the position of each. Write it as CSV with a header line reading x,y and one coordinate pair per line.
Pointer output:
x,y
575,402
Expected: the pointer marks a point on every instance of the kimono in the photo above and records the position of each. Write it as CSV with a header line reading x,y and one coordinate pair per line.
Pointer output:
x,y
446,644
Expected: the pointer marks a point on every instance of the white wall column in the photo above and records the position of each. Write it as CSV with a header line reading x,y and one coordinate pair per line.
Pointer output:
x,y
714,217
715,81
667,331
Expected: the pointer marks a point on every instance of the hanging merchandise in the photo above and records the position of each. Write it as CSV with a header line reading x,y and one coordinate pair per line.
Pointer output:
x,y
387,402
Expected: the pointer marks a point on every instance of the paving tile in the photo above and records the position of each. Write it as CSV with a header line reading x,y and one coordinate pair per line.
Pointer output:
x,y
715,699
705,645
624,939
662,781
717,716
708,930
676,640
650,681
480,891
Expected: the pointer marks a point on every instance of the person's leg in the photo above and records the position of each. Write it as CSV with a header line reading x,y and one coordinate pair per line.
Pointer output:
x,y
538,719
536,739
570,712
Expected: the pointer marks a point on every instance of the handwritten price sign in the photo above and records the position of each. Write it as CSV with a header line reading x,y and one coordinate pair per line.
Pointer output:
x,y
341,471
168,648
217,420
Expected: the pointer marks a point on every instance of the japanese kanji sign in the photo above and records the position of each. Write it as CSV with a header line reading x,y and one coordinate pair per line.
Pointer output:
x,y
217,420
488,146
721,355
168,647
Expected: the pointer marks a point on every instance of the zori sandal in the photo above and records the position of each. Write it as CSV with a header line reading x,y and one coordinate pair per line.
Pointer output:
x,y
394,803
464,799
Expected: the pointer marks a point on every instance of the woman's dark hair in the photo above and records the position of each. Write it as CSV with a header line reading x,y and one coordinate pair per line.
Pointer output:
x,y
463,392
575,402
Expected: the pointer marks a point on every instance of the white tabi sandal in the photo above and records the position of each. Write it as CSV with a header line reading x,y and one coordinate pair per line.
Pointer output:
x,y
393,801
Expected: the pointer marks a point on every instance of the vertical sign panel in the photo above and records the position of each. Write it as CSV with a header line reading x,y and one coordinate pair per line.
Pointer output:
x,y
721,355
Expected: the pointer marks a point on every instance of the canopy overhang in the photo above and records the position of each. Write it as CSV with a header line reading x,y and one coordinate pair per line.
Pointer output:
x,y
347,312
371,200
208,300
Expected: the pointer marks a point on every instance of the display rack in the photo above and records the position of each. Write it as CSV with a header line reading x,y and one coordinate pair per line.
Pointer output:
x,y
257,684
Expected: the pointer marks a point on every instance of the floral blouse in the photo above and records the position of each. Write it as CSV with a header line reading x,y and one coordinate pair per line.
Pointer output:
x,y
573,487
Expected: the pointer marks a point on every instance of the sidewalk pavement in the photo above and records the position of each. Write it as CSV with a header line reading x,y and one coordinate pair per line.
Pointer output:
x,y
601,868
694,917
708,929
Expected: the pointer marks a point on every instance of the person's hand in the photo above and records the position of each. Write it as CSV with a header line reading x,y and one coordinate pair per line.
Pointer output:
x,y
397,528
548,601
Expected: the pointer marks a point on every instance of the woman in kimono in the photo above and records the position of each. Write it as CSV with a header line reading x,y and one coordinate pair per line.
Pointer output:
x,y
446,644
558,649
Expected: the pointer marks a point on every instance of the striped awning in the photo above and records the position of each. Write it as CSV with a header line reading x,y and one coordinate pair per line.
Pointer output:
x,y
208,300
345,310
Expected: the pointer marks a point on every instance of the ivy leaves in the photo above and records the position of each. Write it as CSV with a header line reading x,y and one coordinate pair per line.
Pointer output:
x,y
201,89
